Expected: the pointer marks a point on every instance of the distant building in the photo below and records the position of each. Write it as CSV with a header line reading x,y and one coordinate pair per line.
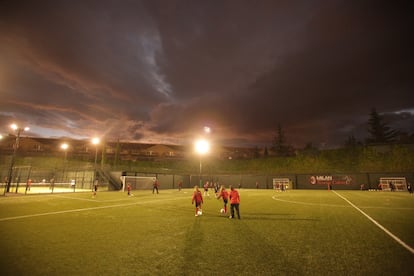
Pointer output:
x,y
35,146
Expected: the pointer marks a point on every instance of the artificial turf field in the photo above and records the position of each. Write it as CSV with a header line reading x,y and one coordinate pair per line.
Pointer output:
x,y
297,232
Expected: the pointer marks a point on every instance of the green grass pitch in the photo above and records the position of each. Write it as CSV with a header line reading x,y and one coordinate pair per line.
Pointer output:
x,y
298,232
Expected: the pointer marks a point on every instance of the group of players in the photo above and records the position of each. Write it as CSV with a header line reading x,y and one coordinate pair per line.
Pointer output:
x,y
197,198
232,195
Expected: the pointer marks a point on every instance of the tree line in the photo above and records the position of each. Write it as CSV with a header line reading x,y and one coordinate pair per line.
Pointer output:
x,y
379,132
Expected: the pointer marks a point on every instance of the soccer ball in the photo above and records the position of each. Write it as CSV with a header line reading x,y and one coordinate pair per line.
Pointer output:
x,y
222,211
199,212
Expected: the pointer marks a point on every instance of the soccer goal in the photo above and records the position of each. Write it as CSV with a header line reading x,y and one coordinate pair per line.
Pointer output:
x,y
138,182
393,184
281,184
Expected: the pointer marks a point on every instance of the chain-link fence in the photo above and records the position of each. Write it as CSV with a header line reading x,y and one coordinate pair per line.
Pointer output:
x,y
25,179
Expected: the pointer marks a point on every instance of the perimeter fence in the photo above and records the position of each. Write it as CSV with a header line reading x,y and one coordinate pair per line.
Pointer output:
x,y
25,179
343,181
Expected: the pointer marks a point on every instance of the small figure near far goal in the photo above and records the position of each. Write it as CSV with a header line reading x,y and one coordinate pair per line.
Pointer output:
x,y
129,189
156,184
95,187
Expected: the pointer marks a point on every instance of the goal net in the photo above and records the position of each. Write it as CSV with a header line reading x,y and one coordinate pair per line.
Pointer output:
x,y
138,182
281,184
393,184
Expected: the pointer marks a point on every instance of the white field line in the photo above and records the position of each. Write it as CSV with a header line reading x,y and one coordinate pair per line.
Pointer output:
x,y
309,203
387,208
336,205
83,209
76,198
92,199
406,246
95,199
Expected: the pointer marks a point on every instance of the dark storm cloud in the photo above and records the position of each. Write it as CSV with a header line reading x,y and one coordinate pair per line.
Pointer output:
x,y
161,70
330,65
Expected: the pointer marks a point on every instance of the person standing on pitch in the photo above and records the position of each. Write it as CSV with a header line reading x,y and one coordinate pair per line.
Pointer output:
x,y
206,185
129,189
225,196
95,187
234,202
198,199
155,185
29,184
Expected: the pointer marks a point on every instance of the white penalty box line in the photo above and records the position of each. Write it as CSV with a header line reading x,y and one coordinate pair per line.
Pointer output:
x,y
397,239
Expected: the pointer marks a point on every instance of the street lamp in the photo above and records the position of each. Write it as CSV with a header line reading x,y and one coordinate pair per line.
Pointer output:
x,y
201,147
18,130
96,141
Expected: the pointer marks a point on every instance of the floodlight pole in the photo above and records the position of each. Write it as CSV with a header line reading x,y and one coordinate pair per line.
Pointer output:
x,y
64,147
201,147
15,147
200,177
95,141
96,159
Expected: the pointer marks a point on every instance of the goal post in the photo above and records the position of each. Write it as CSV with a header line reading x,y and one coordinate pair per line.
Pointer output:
x,y
137,182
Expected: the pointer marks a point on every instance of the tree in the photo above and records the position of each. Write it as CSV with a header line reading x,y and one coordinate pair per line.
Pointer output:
x,y
279,145
352,142
378,129
310,149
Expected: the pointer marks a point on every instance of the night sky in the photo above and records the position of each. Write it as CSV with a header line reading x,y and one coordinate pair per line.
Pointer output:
x,y
159,71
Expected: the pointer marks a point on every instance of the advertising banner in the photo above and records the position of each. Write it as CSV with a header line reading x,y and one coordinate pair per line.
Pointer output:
x,y
328,181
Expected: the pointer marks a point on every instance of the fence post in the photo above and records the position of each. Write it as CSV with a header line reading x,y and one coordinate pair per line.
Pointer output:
x,y
369,181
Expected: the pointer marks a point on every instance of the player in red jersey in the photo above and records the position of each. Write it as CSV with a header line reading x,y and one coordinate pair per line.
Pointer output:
x,y
224,195
129,189
198,199
234,202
